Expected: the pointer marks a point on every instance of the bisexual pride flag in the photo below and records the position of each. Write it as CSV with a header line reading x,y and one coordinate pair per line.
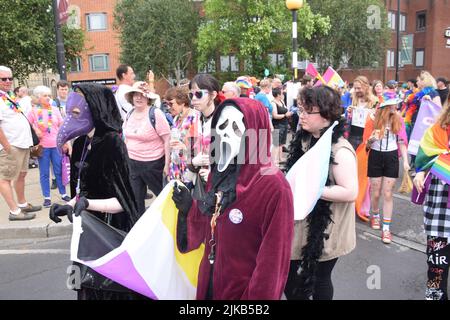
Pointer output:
x,y
308,175
147,259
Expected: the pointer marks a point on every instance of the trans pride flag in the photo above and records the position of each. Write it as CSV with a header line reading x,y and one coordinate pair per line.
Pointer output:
x,y
147,260
308,175
434,153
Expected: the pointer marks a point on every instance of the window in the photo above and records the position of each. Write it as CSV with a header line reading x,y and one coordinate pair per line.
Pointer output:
x,y
276,59
390,59
209,68
391,20
75,65
96,21
421,23
99,62
229,63
402,22
420,55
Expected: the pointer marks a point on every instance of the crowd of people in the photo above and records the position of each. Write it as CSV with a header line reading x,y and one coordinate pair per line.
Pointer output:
x,y
175,136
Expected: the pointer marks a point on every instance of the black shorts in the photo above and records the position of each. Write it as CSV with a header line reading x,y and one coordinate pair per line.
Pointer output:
x,y
279,135
383,164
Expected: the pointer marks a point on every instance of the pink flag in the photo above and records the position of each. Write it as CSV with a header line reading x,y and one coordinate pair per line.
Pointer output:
x,y
63,6
311,70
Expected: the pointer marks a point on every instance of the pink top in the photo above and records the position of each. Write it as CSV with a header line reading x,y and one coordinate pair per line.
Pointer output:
x,y
47,139
143,142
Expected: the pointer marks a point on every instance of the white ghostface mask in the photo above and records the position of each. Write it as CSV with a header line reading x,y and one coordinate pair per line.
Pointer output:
x,y
230,128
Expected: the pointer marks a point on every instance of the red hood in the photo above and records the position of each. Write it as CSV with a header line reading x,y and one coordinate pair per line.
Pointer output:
x,y
258,137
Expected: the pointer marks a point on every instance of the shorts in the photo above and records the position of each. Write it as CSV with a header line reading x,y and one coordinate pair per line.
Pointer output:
x,y
13,163
279,135
383,164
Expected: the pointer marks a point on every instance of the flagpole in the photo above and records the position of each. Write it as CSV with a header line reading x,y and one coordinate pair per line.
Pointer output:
x,y
60,56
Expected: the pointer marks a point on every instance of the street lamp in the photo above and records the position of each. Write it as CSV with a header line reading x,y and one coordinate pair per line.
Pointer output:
x,y
294,5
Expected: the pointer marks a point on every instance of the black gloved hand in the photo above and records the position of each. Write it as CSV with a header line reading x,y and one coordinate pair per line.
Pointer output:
x,y
82,204
58,210
182,198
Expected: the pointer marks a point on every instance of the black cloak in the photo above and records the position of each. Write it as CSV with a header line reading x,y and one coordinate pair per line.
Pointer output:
x,y
104,174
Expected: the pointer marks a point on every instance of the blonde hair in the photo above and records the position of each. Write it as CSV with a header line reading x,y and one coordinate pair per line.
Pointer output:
x,y
444,117
369,96
265,83
427,79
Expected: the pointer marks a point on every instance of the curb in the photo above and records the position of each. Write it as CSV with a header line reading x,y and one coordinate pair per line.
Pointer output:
x,y
42,230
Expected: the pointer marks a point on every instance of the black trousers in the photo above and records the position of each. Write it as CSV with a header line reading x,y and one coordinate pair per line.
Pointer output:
x,y
322,288
438,258
146,174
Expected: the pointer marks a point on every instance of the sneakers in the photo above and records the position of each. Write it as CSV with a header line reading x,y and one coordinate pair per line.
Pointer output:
x,y
375,223
30,208
66,198
21,216
386,237
47,203
54,186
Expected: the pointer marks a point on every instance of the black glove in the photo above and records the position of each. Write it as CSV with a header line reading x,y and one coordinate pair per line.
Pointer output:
x,y
182,198
58,210
82,204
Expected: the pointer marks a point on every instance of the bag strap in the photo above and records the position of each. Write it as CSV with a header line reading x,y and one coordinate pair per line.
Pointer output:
x,y
151,115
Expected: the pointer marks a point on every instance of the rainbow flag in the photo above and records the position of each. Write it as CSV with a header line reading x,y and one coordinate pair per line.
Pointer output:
x,y
147,260
308,175
331,78
434,153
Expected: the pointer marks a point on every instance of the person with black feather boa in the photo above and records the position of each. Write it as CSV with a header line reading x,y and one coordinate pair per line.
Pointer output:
x,y
328,232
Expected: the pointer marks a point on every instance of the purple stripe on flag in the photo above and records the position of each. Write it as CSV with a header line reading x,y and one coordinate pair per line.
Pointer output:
x,y
121,270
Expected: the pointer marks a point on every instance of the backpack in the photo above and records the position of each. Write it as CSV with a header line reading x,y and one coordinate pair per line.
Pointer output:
x,y
151,115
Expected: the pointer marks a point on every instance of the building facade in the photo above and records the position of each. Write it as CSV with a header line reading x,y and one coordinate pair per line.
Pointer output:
x,y
424,41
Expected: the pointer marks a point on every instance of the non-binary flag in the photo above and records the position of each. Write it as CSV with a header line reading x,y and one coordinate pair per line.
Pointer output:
x,y
147,260
308,175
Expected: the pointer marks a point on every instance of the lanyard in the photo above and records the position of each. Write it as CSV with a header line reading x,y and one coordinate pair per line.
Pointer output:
x,y
212,241
86,148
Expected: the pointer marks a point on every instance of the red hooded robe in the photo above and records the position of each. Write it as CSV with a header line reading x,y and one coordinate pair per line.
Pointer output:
x,y
252,257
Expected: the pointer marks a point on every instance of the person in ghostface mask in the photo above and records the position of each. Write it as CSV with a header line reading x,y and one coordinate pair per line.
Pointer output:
x,y
99,179
245,222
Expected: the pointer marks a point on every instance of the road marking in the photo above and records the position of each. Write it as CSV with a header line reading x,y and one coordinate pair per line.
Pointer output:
x,y
35,251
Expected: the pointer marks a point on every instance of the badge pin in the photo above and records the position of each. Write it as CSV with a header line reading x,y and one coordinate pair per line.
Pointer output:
x,y
236,216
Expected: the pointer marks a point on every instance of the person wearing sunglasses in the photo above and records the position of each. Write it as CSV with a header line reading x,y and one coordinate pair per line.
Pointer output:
x,y
203,93
15,141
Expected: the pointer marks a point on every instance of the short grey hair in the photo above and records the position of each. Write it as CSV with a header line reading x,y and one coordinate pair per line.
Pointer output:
x,y
40,90
231,85
5,69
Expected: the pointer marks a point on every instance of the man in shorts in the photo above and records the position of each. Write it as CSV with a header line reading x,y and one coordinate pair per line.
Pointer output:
x,y
15,142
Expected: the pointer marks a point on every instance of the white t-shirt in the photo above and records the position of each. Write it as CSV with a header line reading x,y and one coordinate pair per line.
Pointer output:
x,y
122,103
25,104
15,126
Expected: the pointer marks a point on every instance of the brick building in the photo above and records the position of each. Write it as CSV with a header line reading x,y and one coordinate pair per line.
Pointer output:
x,y
100,58
423,25
424,44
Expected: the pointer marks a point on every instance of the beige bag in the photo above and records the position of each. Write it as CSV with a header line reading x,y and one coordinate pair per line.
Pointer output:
x,y
407,185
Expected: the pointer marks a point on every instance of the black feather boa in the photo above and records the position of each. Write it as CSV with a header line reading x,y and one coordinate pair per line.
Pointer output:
x,y
318,220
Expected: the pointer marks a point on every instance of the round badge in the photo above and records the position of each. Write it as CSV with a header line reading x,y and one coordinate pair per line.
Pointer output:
x,y
236,216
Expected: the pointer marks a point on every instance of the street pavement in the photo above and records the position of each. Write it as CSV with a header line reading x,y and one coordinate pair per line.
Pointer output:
x,y
34,256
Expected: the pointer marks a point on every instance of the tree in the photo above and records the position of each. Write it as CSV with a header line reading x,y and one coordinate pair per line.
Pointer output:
x,y
359,34
157,33
28,37
253,28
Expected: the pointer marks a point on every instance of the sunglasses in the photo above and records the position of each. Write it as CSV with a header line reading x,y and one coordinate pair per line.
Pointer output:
x,y
199,94
6,79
